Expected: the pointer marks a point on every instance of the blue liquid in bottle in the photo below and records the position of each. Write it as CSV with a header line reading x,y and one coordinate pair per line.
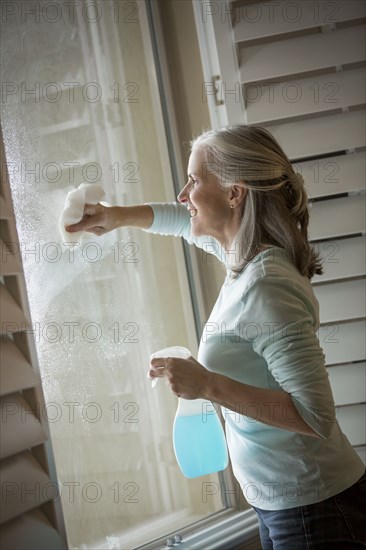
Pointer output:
x,y
199,444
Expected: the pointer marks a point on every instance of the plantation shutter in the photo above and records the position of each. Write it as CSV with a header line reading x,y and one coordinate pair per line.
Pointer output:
x,y
30,498
298,69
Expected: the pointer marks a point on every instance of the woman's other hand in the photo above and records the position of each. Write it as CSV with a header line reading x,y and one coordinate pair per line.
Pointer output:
x,y
187,378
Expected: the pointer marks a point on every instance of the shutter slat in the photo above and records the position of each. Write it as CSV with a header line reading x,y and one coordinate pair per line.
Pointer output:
x,y
308,53
343,342
13,318
343,259
16,373
9,262
31,531
337,217
352,421
332,175
305,96
322,135
341,301
24,485
20,428
348,383
261,20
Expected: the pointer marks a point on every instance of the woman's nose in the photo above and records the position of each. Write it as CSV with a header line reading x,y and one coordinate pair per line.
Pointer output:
x,y
183,195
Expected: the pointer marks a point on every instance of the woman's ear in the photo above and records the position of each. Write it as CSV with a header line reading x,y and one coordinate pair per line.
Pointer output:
x,y
237,194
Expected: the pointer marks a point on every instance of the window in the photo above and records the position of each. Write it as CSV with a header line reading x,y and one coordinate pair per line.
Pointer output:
x,y
81,105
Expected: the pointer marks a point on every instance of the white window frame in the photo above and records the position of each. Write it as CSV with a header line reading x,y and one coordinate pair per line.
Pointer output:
x,y
213,25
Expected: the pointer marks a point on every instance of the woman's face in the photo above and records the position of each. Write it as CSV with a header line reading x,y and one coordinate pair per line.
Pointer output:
x,y
208,203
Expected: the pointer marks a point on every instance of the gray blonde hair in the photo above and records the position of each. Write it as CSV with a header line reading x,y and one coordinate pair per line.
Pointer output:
x,y
275,209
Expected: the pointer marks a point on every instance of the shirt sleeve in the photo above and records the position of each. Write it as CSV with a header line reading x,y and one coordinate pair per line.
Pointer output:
x,y
281,324
173,218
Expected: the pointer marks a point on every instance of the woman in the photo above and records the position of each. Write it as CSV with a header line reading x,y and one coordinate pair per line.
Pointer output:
x,y
259,356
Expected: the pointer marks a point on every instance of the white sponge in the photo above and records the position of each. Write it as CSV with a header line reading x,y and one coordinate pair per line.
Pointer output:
x,y
86,193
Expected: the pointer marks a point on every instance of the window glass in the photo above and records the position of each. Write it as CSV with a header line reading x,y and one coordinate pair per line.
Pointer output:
x,y
80,106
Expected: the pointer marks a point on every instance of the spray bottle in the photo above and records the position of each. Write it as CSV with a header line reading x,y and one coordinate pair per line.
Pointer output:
x,y
198,438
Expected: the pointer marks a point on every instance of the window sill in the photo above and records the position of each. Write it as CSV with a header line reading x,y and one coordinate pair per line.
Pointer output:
x,y
227,530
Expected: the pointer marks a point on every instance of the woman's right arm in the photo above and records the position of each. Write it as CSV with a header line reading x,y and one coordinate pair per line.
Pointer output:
x,y
162,218
158,217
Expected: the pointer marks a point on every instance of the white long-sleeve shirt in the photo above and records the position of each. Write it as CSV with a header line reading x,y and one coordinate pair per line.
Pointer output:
x,y
262,332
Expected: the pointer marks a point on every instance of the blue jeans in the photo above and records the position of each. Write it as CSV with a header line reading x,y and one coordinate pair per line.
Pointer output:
x,y
337,523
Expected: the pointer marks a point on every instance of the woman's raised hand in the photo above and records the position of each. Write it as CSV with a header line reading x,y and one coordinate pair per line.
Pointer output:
x,y
97,219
